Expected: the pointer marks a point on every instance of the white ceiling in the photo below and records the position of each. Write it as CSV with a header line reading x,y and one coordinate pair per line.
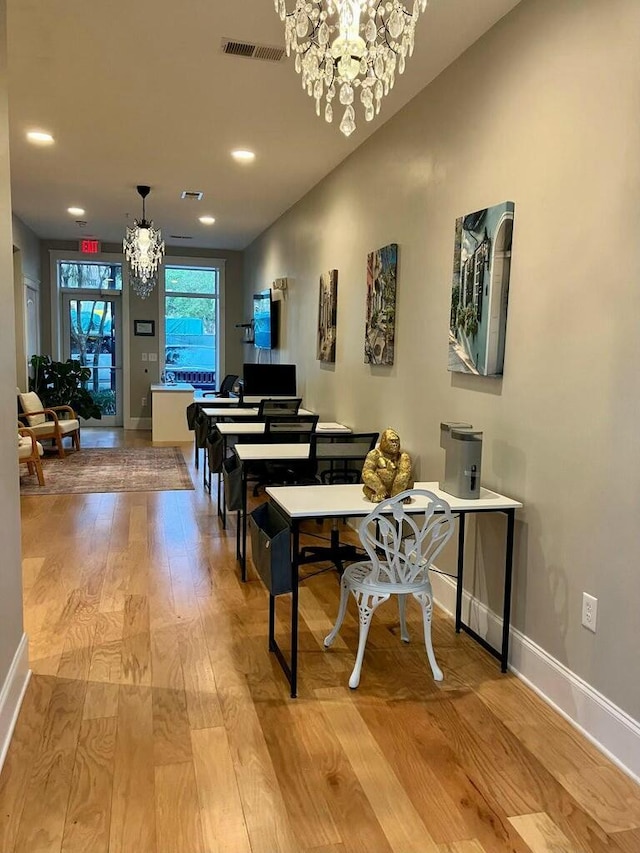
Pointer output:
x,y
139,92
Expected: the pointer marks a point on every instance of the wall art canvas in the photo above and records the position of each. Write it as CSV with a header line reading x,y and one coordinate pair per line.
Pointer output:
x,y
480,290
327,314
382,272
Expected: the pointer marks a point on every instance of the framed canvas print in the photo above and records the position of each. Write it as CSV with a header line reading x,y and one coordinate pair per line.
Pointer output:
x,y
327,314
379,338
480,290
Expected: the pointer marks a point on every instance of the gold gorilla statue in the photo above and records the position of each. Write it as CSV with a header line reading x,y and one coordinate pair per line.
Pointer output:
x,y
387,469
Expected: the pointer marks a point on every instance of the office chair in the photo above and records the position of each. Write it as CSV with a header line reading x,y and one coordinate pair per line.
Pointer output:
x,y
342,457
226,386
285,429
401,547
269,407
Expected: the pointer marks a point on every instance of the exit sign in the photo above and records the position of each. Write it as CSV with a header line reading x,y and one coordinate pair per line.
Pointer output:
x,y
89,246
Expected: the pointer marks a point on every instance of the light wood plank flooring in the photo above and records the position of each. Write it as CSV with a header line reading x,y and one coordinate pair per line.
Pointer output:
x,y
156,720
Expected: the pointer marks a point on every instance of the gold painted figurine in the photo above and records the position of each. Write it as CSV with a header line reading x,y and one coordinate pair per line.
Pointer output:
x,y
387,469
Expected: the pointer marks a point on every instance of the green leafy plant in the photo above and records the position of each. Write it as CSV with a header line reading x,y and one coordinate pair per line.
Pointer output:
x,y
62,383
467,320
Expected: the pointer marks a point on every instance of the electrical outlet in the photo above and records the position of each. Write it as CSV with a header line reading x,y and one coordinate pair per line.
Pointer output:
x,y
589,611
143,401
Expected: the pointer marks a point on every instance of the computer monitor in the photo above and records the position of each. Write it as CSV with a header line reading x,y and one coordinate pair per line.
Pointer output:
x,y
269,380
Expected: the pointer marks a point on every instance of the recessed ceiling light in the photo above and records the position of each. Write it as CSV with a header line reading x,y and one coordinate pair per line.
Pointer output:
x,y
76,211
39,137
207,220
243,156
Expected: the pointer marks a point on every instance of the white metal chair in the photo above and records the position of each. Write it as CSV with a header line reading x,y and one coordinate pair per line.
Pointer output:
x,y
402,543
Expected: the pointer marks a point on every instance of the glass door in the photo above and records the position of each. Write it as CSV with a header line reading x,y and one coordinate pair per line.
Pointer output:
x,y
91,335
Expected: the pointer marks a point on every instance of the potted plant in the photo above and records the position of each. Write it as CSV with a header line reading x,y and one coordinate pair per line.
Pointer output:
x,y
62,383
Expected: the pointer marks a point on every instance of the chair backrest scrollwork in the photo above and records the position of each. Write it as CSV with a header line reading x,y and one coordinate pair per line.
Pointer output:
x,y
401,542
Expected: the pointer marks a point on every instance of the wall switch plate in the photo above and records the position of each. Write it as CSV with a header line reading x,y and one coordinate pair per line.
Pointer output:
x,y
153,356
589,611
144,356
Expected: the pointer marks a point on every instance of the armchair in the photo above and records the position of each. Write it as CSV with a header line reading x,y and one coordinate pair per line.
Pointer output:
x,y
54,423
30,451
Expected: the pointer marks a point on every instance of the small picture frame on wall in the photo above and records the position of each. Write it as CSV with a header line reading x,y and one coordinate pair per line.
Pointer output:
x,y
147,328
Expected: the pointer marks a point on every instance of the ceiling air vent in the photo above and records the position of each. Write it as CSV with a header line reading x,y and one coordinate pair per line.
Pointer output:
x,y
179,237
263,52
192,195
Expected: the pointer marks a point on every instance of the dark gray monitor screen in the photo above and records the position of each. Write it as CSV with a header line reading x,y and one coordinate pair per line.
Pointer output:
x,y
269,380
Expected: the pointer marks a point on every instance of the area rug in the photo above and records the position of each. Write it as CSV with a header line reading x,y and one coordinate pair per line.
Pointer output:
x,y
110,469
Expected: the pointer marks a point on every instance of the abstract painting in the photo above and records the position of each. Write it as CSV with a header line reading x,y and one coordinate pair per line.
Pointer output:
x,y
327,314
382,271
480,290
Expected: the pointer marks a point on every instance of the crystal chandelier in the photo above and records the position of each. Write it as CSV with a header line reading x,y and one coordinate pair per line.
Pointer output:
x,y
143,248
342,46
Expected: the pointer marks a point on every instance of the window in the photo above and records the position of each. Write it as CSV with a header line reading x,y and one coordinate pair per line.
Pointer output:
x,y
191,324
89,276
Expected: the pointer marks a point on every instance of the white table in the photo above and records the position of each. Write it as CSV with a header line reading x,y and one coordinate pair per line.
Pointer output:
x,y
257,428
301,503
168,405
229,411
212,401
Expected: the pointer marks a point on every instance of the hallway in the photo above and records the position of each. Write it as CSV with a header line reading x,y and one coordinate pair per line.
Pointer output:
x,y
156,719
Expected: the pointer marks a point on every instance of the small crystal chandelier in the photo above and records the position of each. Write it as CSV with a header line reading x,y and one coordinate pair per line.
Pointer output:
x,y
345,45
143,248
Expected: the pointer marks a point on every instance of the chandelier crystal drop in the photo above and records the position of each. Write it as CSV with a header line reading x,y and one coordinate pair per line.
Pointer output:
x,y
349,51
143,248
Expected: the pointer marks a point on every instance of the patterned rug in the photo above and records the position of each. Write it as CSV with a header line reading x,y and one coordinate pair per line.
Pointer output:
x,y
110,469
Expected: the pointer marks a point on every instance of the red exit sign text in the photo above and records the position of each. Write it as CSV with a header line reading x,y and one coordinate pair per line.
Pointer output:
x,y
89,246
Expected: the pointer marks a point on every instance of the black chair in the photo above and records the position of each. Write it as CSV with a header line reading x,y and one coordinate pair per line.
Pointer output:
x,y
285,429
288,428
270,407
340,458
337,459
226,386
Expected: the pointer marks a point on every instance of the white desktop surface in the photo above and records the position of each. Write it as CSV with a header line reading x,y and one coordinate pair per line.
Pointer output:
x,y
332,426
172,386
272,452
346,500
258,427
215,401
229,412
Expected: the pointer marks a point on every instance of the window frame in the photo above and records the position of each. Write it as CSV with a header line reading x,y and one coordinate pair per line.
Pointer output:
x,y
194,263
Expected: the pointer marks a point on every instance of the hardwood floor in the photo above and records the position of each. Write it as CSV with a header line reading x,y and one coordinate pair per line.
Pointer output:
x,y
156,720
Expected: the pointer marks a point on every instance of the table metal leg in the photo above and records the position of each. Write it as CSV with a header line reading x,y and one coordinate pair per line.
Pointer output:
x,y
222,507
459,589
295,531
272,623
243,555
508,575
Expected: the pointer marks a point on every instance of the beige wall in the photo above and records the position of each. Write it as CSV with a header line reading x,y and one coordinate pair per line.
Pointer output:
x,y
26,271
543,111
10,571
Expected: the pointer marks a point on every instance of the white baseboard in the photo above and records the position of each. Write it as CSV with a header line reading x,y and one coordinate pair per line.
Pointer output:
x,y
609,728
12,694
137,423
